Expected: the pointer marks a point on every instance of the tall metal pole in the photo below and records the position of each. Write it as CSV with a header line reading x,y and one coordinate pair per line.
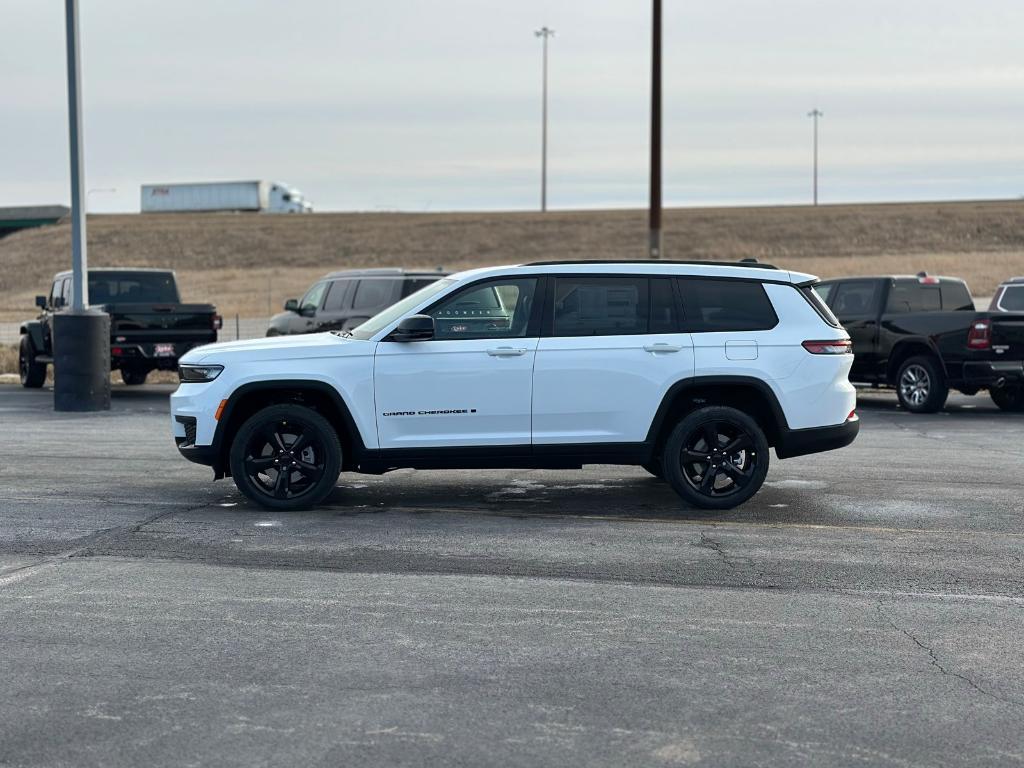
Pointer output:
x,y
815,113
79,257
655,204
545,33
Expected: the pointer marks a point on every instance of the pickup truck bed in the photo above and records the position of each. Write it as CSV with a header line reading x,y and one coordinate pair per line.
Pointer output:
x,y
923,336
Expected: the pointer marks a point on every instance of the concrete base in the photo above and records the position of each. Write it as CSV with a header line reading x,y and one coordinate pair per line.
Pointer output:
x,y
81,361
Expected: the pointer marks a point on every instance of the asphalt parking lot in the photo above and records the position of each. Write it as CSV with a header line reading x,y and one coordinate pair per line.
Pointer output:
x,y
866,608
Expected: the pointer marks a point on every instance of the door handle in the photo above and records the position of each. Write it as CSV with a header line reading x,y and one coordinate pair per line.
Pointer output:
x,y
662,347
505,352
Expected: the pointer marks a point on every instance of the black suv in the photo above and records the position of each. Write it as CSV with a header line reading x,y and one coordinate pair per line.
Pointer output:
x,y
340,301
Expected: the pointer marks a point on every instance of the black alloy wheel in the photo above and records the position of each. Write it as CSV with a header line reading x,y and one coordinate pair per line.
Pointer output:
x,y
31,373
286,457
133,378
716,457
1010,399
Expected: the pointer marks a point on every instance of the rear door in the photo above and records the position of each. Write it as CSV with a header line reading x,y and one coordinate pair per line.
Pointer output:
x,y
856,304
611,349
372,294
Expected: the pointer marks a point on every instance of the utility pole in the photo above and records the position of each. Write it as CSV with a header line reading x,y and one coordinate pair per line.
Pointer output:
x,y
654,238
544,33
81,337
815,113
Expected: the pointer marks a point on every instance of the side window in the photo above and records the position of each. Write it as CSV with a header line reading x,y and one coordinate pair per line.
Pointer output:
x,y
726,305
412,284
373,293
497,309
859,297
906,296
824,291
955,296
335,301
55,292
1012,299
663,306
600,306
65,291
310,303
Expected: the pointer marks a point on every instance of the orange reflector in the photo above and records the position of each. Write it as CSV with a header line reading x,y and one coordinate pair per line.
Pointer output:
x,y
220,410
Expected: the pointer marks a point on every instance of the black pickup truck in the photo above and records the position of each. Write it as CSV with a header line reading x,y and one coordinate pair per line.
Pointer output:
x,y
922,335
149,326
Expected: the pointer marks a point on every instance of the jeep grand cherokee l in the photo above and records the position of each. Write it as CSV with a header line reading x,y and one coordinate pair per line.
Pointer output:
x,y
691,370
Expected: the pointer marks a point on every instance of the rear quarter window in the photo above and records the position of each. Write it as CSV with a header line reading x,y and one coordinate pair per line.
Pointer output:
x,y
1012,299
726,305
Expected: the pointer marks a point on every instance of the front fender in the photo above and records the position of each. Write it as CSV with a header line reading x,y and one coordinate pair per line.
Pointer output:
x,y
34,330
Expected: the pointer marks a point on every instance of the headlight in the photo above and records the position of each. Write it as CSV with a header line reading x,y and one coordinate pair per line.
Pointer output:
x,y
199,372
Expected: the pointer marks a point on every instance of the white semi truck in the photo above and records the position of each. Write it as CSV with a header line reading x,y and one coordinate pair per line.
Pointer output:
x,y
260,196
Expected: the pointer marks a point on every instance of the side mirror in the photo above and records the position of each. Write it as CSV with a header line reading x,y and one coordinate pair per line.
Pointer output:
x,y
41,302
413,328
291,305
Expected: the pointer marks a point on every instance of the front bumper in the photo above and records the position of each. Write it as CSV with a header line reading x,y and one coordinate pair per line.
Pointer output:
x,y
987,373
799,442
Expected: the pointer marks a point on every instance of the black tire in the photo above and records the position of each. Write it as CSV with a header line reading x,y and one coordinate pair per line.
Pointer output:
x,y
33,374
716,457
921,385
133,378
1009,399
267,441
655,468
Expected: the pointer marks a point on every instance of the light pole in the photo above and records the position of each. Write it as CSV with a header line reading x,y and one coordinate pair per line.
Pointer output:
x,y
815,113
544,33
654,236
81,337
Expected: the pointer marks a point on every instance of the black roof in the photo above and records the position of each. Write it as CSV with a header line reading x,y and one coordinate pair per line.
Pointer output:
x,y
387,272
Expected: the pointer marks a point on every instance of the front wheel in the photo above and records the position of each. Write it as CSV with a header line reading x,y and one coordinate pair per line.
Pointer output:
x,y
921,385
716,457
1009,399
286,457
32,374
133,378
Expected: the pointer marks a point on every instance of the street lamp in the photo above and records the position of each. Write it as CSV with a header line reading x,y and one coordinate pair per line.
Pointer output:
x,y
815,113
654,236
544,33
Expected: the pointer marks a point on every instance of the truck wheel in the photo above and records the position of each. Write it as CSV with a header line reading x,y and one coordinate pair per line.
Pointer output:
x,y
921,385
33,374
1008,398
286,457
716,458
133,378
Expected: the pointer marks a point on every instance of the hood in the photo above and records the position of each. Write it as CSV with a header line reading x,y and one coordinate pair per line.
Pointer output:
x,y
279,348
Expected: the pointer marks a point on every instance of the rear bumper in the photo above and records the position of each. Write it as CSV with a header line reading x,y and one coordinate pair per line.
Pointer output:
x,y
800,442
985,373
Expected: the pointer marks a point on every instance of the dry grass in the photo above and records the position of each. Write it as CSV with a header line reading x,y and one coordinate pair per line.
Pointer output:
x,y
9,365
237,261
8,358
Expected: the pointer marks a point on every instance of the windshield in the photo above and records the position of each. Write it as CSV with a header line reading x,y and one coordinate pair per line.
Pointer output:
x,y
1012,299
132,288
395,311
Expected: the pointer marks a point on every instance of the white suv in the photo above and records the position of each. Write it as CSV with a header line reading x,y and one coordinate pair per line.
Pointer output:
x,y
688,369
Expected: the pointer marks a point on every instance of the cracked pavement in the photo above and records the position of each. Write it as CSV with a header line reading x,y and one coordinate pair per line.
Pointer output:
x,y
866,608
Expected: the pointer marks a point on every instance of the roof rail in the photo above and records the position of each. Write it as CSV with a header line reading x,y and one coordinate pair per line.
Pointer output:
x,y
753,263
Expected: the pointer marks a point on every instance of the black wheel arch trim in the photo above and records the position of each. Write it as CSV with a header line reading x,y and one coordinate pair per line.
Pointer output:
x,y
897,354
34,330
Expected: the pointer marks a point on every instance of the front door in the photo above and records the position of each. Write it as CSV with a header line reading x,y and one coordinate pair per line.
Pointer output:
x,y
472,384
855,303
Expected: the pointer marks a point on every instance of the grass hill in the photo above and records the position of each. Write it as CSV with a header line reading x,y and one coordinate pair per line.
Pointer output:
x,y
248,263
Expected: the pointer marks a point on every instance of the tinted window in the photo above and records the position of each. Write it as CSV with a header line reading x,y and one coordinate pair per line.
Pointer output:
x,y
859,297
335,301
816,300
905,296
824,291
65,291
1012,299
726,305
600,306
496,309
311,301
54,291
413,284
663,306
132,288
373,293
955,296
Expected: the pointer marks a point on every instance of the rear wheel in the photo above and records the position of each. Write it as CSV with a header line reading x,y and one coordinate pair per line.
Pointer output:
x,y
1008,398
33,374
921,385
134,378
286,457
716,457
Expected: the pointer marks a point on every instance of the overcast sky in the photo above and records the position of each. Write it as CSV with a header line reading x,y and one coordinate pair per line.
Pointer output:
x,y
435,104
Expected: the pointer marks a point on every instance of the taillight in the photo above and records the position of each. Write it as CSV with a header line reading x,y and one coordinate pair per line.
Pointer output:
x,y
980,335
831,347
217,322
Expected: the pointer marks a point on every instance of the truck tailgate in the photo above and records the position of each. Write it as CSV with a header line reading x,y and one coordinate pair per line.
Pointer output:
x,y
1008,335
160,321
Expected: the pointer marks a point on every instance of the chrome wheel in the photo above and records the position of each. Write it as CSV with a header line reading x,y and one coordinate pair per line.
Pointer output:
x,y
915,385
